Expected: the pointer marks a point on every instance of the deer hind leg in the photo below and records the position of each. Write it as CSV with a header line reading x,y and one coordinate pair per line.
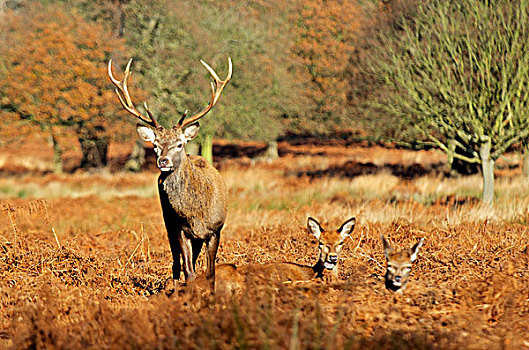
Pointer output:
x,y
187,257
212,245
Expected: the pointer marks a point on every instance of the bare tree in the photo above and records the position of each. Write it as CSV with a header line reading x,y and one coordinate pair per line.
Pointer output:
x,y
460,75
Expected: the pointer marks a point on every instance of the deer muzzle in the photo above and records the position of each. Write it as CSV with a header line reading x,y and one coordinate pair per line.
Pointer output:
x,y
397,281
330,262
165,164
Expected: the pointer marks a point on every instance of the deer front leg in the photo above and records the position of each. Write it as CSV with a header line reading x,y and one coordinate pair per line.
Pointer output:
x,y
177,252
173,232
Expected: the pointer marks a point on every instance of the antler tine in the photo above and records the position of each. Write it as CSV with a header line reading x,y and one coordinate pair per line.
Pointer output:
x,y
216,90
124,97
181,119
156,125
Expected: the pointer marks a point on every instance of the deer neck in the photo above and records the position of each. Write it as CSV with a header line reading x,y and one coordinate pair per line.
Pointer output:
x,y
187,189
318,269
178,175
175,184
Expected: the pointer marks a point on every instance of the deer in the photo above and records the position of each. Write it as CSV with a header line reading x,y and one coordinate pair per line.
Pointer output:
x,y
192,192
231,278
398,265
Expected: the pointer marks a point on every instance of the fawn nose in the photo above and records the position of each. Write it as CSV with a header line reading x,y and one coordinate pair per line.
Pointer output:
x,y
333,258
398,278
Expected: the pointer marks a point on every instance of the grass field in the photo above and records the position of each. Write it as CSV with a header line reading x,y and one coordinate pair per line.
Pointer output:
x,y
84,258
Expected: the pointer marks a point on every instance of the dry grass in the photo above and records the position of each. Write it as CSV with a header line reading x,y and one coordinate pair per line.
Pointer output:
x,y
87,266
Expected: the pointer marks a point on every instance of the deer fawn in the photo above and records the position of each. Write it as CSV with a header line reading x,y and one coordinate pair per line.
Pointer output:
x,y
330,243
192,192
399,265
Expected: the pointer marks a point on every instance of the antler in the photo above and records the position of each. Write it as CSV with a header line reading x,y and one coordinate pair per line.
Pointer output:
x,y
124,97
216,90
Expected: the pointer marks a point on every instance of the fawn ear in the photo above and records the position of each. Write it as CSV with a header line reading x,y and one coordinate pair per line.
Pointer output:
x,y
314,227
387,247
146,133
415,249
347,227
191,131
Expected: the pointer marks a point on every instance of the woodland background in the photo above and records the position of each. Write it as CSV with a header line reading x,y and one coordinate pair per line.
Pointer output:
x,y
84,255
296,69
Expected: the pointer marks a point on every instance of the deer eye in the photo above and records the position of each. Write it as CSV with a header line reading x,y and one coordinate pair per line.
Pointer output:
x,y
177,146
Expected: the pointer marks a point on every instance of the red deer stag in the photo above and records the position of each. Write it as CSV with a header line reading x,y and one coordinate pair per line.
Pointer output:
x,y
192,192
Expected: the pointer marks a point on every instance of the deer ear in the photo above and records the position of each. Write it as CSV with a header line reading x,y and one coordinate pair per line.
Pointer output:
x,y
314,228
347,227
387,247
415,250
191,131
146,133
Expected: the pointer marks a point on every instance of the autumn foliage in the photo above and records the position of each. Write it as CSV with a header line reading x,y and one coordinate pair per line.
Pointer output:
x,y
291,65
326,34
56,77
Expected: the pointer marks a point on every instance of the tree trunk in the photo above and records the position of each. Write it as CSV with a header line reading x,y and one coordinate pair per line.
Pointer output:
x,y
137,157
271,151
95,152
487,166
57,154
206,148
119,18
525,161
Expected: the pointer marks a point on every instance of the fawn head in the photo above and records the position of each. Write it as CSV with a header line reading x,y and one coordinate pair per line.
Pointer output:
x,y
330,242
168,143
399,264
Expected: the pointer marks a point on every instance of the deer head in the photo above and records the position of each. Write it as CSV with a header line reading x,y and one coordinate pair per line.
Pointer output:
x,y
168,143
399,264
330,242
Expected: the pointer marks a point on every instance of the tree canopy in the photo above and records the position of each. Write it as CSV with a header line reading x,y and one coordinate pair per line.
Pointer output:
x,y
325,41
453,72
460,75
54,76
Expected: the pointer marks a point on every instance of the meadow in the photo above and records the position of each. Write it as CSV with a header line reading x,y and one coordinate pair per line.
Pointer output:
x,y
84,257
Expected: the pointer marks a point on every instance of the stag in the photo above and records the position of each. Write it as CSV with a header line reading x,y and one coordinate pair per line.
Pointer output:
x,y
192,192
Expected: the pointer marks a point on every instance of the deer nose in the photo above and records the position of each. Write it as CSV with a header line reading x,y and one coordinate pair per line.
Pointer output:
x,y
398,278
163,162
333,258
